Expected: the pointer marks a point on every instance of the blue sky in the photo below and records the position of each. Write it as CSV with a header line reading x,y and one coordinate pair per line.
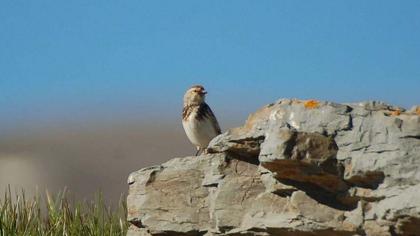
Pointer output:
x,y
67,61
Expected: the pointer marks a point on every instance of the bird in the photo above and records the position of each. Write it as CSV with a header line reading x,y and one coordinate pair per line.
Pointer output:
x,y
199,122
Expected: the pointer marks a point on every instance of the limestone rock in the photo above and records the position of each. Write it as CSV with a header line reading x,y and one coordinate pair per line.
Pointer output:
x,y
294,168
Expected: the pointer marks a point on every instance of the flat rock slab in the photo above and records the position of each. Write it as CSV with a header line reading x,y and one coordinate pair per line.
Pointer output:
x,y
188,196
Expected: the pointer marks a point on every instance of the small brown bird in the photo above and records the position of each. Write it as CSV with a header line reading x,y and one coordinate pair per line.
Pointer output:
x,y
198,120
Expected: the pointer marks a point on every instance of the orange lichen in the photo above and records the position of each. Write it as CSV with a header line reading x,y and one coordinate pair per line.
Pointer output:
x,y
311,104
396,112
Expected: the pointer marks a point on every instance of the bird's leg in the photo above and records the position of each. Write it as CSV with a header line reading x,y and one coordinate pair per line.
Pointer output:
x,y
198,151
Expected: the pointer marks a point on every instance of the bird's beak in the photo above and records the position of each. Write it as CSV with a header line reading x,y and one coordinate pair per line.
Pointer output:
x,y
203,92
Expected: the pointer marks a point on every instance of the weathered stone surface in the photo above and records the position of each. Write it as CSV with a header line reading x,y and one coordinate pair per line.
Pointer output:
x,y
295,168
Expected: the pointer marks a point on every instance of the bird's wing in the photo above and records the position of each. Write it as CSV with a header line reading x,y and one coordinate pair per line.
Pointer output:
x,y
205,111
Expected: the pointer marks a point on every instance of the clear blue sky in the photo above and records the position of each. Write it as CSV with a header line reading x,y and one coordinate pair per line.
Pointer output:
x,y
75,60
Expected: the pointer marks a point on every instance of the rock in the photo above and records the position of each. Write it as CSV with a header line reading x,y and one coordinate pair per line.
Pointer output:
x,y
303,157
294,168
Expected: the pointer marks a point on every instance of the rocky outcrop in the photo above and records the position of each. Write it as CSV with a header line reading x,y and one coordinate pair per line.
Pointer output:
x,y
295,168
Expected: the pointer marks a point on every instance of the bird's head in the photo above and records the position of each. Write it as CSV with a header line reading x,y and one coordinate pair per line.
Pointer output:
x,y
195,95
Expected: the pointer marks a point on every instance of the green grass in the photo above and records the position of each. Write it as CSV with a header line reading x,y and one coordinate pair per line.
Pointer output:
x,y
59,216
